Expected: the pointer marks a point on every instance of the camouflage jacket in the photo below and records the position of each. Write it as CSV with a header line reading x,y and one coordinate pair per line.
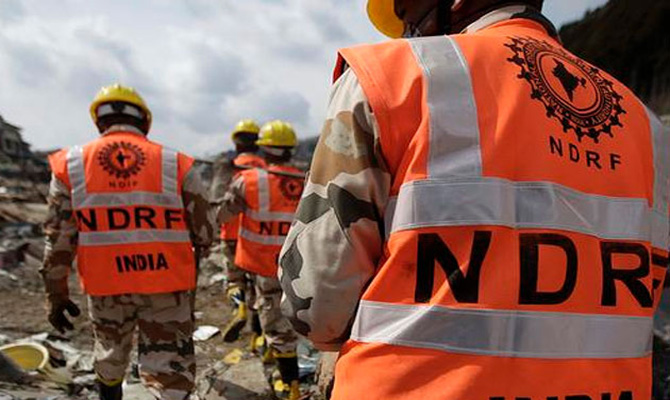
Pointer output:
x,y
60,227
334,247
234,200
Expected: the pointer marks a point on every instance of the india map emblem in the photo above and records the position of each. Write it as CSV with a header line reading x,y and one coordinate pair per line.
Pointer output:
x,y
573,92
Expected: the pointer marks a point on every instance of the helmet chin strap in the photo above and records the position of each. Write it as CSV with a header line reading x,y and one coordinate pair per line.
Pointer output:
x,y
437,21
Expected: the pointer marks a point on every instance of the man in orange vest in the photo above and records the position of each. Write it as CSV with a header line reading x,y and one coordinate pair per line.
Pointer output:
x,y
486,216
267,199
131,211
244,137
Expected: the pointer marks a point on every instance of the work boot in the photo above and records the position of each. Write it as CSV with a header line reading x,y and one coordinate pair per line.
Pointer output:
x,y
232,331
256,323
257,341
294,391
267,355
289,371
114,392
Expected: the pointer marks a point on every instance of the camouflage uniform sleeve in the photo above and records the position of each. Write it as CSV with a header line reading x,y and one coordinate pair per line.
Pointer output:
x,y
334,245
233,202
199,215
60,228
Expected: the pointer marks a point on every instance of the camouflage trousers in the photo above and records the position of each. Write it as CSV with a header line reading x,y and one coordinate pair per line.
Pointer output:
x,y
165,340
236,275
277,329
263,294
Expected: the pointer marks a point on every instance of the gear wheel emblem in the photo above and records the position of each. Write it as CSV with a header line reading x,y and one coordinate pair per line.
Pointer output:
x,y
573,92
291,188
122,160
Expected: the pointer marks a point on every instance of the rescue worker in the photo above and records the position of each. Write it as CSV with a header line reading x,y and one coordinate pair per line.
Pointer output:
x,y
131,211
244,136
267,199
486,215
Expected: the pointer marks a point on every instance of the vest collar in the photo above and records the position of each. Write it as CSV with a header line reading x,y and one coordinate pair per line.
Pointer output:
x,y
512,12
121,128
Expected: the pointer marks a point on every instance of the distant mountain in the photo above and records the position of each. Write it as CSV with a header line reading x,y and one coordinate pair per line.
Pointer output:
x,y
630,40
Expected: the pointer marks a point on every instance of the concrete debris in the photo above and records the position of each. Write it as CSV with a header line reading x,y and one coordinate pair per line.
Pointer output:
x,y
205,332
244,380
136,391
217,278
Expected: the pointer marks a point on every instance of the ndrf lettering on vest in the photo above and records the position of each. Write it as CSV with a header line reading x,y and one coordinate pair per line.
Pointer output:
x,y
590,158
433,250
625,395
128,218
274,228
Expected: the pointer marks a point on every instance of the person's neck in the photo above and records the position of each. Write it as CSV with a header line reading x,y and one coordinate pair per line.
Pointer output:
x,y
116,128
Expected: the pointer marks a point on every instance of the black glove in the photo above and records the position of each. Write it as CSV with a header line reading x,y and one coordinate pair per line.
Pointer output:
x,y
57,317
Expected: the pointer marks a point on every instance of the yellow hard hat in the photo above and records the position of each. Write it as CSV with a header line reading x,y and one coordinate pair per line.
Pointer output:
x,y
117,92
245,125
277,133
383,17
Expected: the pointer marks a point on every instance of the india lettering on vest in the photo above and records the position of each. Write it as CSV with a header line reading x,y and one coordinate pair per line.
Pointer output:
x,y
625,395
141,262
433,250
589,158
133,218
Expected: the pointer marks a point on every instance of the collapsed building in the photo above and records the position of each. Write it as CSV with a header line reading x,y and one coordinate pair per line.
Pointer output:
x,y
24,174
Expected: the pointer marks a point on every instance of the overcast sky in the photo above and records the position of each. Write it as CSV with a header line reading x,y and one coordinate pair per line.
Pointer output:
x,y
200,64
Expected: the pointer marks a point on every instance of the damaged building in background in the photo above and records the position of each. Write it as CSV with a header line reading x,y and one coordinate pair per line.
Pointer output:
x,y
24,180
24,174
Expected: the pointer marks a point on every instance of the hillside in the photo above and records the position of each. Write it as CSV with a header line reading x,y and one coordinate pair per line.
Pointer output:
x,y
626,38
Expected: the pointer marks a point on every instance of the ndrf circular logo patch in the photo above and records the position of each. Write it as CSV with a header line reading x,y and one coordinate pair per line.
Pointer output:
x,y
122,159
574,93
291,188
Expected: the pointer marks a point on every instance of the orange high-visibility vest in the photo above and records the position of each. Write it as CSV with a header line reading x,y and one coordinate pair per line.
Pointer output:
x,y
527,230
127,199
272,199
243,161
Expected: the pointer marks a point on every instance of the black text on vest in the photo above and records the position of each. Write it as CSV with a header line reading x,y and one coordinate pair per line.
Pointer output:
x,y
625,395
136,217
274,228
589,158
433,252
141,262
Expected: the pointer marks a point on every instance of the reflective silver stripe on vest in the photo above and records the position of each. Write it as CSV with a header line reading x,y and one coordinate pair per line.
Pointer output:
x,y
661,144
263,191
262,239
454,129
504,333
169,171
270,216
529,205
75,170
134,198
109,238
